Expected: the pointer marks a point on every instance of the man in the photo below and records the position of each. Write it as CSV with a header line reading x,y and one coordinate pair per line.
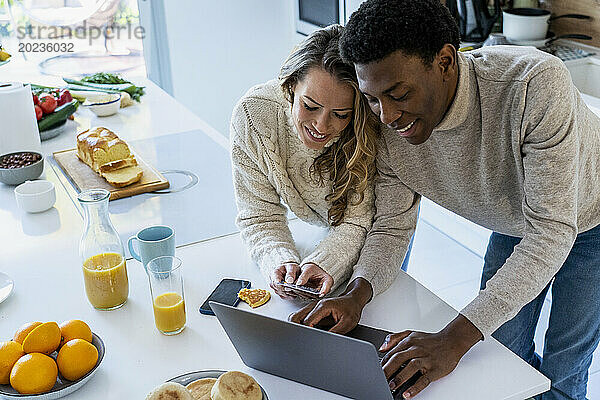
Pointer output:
x,y
501,137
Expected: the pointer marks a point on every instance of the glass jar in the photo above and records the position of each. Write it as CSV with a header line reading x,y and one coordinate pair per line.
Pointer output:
x,y
102,255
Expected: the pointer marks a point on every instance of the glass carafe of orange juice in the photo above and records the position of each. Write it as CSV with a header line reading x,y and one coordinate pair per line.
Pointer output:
x,y
102,256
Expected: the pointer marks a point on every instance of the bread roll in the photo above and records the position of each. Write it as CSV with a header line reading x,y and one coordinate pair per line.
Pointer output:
x,y
235,385
201,388
170,391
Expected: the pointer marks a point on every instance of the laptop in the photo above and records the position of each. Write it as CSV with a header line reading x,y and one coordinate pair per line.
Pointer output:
x,y
348,365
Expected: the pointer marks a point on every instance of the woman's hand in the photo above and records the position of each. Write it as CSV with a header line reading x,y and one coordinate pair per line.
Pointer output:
x,y
435,355
315,277
287,272
309,274
342,312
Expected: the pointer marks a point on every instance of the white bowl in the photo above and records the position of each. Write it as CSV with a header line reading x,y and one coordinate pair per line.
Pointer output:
x,y
35,196
107,107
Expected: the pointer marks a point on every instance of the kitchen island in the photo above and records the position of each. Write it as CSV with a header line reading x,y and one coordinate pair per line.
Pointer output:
x,y
40,253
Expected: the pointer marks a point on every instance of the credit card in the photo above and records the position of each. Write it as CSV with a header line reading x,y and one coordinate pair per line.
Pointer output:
x,y
302,291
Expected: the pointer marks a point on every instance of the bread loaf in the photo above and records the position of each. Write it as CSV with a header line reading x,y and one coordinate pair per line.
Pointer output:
x,y
99,146
109,156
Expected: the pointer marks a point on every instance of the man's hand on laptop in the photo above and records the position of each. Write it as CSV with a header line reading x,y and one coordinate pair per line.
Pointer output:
x,y
341,313
435,355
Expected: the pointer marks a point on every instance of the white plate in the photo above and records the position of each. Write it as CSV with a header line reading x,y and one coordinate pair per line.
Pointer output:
x,y
6,286
62,387
190,377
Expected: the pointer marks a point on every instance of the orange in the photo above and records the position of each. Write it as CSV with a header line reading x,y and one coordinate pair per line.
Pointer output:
x,y
75,329
10,352
44,338
24,331
76,358
33,373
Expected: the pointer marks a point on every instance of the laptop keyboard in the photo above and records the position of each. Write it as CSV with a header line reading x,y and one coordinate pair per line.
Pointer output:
x,y
376,337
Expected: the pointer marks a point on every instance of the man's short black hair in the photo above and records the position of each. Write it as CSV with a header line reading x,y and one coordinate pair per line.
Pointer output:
x,y
381,27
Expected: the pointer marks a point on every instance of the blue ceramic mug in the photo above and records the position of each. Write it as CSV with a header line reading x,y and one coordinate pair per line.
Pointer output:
x,y
154,241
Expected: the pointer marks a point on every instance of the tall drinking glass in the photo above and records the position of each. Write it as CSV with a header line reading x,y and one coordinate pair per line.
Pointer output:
x,y
166,289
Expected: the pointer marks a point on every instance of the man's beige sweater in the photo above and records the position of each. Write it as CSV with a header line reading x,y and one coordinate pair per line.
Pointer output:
x,y
271,167
519,153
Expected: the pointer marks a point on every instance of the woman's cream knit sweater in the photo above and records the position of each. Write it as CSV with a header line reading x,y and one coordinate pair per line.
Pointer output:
x,y
271,167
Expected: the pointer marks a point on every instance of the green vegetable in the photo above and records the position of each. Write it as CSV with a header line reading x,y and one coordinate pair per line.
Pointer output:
x,y
108,78
104,77
39,89
82,88
109,82
58,117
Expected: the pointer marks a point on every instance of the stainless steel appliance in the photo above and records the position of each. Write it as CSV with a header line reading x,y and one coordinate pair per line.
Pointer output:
x,y
311,15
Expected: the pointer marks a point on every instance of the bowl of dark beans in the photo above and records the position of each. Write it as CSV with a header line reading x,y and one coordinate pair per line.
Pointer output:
x,y
16,168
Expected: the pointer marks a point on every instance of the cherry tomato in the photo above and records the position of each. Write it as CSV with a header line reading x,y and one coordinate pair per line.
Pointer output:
x,y
47,103
36,101
65,97
38,112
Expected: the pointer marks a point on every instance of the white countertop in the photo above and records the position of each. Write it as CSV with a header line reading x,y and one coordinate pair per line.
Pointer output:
x,y
157,115
193,152
139,358
40,252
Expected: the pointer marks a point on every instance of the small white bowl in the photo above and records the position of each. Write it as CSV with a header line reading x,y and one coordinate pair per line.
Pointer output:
x,y
35,196
105,108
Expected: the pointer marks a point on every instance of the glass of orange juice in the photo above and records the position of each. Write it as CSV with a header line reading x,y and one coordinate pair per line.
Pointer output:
x,y
166,289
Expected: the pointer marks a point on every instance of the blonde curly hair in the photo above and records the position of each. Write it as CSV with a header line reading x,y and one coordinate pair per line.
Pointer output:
x,y
349,162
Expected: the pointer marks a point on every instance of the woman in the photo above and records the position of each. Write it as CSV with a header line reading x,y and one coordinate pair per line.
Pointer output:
x,y
306,140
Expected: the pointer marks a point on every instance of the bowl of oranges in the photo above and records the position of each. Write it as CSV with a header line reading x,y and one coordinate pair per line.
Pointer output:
x,y
46,361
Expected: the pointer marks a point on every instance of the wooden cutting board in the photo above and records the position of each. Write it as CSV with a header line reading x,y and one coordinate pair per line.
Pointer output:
x,y
85,178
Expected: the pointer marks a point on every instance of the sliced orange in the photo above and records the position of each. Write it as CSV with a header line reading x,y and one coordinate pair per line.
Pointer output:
x,y
45,338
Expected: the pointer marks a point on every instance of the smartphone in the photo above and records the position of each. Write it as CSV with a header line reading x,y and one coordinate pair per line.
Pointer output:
x,y
226,292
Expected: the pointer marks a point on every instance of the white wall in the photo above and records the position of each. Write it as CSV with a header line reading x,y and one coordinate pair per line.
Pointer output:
x,y
220,48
